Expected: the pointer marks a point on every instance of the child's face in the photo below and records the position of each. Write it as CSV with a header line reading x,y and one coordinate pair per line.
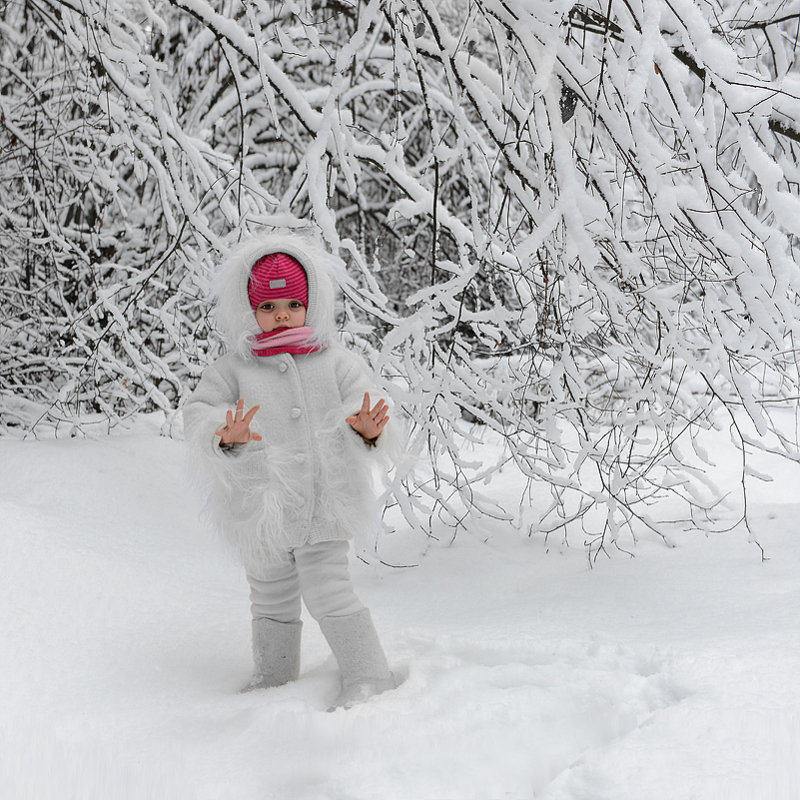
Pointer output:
x,y
273,315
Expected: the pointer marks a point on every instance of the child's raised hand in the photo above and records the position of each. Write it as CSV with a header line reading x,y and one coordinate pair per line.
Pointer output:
x,y
370,422
237,427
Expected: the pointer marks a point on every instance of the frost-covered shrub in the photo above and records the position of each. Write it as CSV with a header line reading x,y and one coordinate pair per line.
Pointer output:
x,y
573,232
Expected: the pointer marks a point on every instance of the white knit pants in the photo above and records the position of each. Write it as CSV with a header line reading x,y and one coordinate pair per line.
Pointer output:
x,y
317,572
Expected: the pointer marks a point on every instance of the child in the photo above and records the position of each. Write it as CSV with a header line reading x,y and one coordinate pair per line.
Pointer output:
x,y
287,432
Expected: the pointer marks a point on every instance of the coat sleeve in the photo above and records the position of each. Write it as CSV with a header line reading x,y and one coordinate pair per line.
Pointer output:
x,y
237,490
205,410
354,378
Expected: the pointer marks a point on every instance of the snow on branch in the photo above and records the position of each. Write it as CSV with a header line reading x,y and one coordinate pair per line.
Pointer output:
x,y
570,229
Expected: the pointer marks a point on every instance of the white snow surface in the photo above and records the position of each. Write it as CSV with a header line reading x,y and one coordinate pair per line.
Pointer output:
x,y
526,674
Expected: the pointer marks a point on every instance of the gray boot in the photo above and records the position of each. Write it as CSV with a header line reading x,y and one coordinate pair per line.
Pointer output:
x,y
276,653
360,656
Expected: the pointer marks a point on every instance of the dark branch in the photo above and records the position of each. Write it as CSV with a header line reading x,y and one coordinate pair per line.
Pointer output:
x,y
764,23
590,21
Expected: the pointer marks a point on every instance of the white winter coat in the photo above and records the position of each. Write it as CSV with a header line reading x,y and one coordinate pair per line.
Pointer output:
x,y
309,479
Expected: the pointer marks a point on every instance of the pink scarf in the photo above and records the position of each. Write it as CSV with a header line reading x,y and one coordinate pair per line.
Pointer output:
x,y
296,341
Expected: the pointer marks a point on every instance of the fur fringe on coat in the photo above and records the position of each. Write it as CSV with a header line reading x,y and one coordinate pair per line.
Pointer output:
x,y
310,479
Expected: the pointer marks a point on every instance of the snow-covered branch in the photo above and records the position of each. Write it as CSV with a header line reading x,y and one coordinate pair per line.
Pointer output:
x,y
572,231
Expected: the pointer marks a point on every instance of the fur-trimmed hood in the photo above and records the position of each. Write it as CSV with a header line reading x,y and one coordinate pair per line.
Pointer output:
x,y
235,317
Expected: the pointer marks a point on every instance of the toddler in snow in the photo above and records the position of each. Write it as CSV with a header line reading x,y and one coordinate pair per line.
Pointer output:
x,y
285,428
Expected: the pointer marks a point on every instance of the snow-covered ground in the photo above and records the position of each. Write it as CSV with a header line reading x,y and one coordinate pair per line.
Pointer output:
x,y
125,637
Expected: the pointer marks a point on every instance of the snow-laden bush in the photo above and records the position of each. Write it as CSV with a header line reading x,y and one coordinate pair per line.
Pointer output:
x,y
571,226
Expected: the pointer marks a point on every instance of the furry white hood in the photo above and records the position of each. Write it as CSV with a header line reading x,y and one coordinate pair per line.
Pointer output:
x,y
234,314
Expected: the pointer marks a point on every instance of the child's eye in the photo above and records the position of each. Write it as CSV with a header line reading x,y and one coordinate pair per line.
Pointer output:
x,y
295,304
266,306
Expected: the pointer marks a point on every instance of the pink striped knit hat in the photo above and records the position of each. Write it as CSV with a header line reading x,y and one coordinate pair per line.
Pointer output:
x,y
277,276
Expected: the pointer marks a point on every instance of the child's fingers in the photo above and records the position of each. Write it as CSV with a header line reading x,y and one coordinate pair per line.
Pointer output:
x,y
381,404
255,436
365,404
250,414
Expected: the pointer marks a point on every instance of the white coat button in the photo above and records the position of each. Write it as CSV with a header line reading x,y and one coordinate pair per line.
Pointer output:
x,y
283,367
295,413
